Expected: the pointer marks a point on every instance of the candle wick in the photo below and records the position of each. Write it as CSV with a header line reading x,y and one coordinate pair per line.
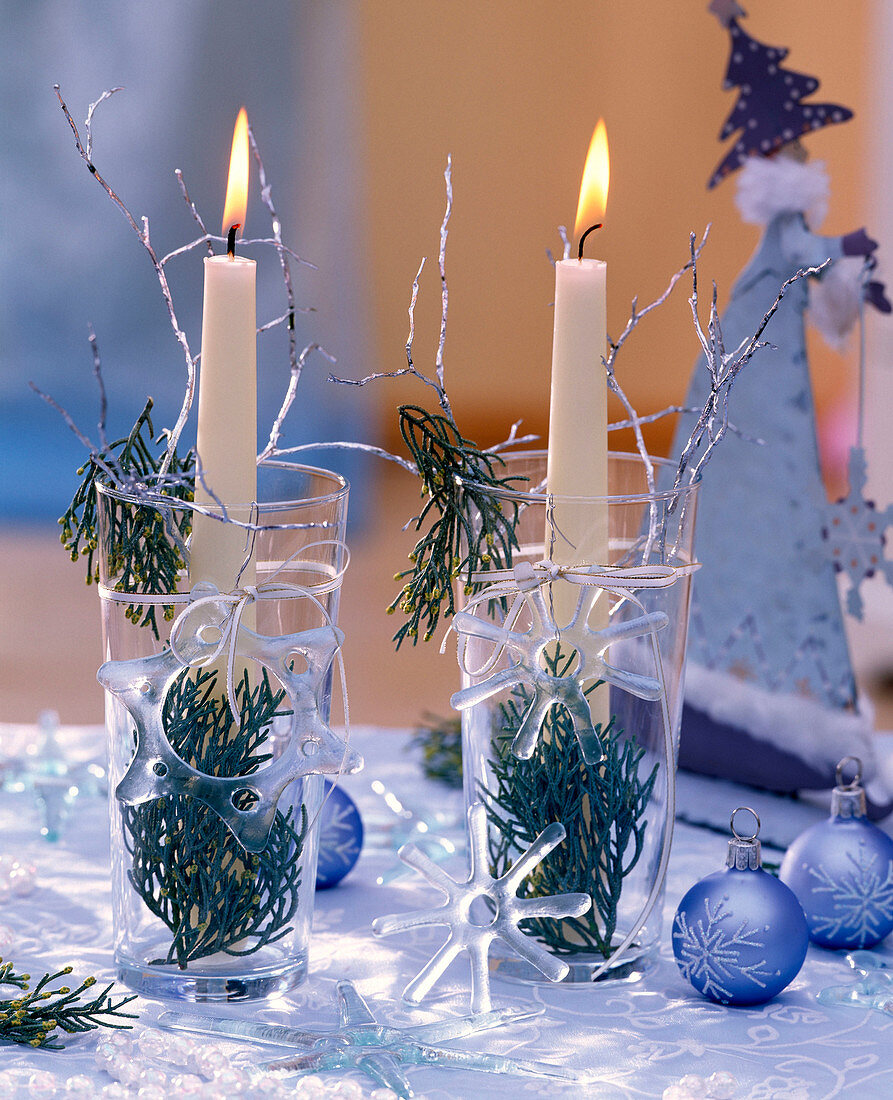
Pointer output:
x,y
598,225
231,240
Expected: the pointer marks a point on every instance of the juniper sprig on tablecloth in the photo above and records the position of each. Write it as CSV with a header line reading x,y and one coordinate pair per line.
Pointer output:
x,y
33,1018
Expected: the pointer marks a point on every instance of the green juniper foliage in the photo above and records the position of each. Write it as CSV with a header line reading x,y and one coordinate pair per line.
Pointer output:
x,y
440,740
601,805
457,542
145,542
186,865
33,1018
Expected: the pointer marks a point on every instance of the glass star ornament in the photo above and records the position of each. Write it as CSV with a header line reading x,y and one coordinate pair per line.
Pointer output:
x,y
482,909
842,872
856,534
380,1052
739,935
529,650
142,683
407,823
47,772
872,989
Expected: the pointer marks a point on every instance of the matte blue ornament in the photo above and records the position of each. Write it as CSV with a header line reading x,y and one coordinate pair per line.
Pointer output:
x,y
739,935
340,836
842,872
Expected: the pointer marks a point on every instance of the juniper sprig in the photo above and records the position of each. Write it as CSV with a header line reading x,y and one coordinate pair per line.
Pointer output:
x,y
186,865
602,807
440,740
470,529
33,1018
144,543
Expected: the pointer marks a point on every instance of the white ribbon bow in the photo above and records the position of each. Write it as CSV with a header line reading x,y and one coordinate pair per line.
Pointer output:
x,y
205,594
524,576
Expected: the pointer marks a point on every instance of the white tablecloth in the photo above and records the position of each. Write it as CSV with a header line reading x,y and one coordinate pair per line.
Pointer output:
x,y
638,1038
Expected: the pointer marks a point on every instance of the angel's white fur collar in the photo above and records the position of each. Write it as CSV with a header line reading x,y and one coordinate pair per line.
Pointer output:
x,y
768,186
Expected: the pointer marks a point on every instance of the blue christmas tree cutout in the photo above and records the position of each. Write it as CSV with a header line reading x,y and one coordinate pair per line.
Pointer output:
x,y
856,534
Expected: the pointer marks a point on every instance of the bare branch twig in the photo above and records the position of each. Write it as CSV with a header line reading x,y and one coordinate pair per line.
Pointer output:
x,y
143,235
297,371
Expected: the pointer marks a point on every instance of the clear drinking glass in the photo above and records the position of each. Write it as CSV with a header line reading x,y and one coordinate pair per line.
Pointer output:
x,y
196,914
618,811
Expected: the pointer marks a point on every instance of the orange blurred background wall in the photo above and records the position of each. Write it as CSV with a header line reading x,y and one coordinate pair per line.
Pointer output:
x,y
513,90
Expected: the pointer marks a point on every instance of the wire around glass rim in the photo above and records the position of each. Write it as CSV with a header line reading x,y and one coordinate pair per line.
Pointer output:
x,y
150,498
524,496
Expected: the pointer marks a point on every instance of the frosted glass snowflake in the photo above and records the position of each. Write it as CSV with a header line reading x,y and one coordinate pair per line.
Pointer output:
x,y
861,900
548,690
855,532
156,770
362,1042
709,952
873,989
473,933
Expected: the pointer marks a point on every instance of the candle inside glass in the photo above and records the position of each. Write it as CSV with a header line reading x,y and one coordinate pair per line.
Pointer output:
x,y
577,474
227,396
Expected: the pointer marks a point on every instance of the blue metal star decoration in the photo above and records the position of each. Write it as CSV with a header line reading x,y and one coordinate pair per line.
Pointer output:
x,y
474,932
548,690
856,534
142,684
380,1052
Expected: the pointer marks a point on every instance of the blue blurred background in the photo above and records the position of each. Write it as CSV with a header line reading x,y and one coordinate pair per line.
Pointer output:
x,y
70,258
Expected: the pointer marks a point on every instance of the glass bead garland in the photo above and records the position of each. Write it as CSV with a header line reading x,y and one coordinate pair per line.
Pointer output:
x,y
197,1069
718,1086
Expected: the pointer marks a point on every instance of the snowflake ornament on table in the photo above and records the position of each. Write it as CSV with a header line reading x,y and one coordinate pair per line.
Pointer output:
x,y
873,989
504,911
841,870
156,770
739,935
380,1052
530,647
856,534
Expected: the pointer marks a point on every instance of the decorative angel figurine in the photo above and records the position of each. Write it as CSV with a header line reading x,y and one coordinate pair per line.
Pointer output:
x,y
770,694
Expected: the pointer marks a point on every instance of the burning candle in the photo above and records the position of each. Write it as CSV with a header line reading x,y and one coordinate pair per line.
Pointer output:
x,y
578,428
227,390
577,530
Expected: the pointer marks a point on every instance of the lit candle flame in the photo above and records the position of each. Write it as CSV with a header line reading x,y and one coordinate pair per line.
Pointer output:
x,y
237,184
594,187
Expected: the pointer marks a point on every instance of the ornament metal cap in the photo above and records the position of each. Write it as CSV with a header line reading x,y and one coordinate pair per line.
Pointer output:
x,y
848,799
744,851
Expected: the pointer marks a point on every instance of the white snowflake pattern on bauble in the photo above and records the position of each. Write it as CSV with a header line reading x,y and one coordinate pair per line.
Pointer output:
x,y
739,935
842,872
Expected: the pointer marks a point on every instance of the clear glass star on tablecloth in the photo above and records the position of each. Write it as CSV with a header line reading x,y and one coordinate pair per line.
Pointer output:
x,y
47,771
380,1052
872,989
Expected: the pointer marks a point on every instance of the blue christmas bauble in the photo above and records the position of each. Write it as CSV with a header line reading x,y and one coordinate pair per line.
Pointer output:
x,y
842,872
739,935
340,836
